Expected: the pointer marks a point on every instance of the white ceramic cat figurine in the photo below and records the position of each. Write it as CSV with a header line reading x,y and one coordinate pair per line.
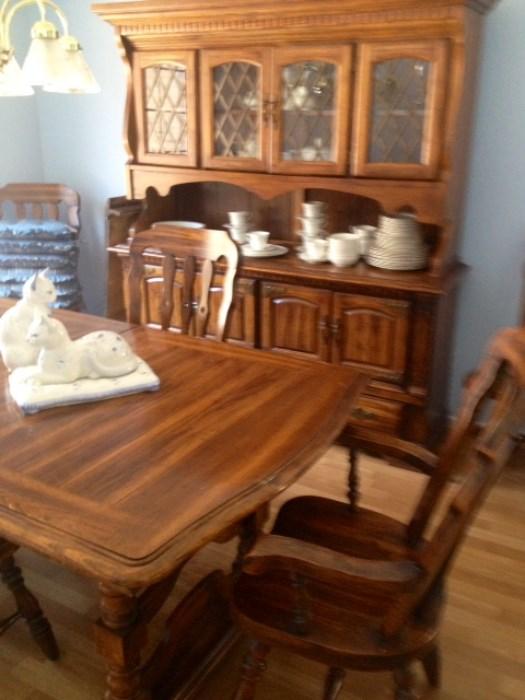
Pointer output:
x,y
62,360
37,294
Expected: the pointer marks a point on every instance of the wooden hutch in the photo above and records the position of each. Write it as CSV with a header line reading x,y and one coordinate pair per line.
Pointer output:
x,y
260,105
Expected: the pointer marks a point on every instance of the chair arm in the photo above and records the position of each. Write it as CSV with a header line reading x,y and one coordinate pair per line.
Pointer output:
x,y
277,553
383,445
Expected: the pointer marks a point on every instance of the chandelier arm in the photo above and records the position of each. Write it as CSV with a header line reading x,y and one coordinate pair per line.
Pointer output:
x,y
7,13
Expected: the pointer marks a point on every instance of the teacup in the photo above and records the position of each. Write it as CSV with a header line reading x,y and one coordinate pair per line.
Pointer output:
x,y
313,209
316,248
344,249
308,153
238,233
258,239
239,218
366,236
312,226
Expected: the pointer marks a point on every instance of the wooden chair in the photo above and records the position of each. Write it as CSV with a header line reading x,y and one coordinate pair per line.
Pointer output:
x,y
353,588
184,247
187,245
27,605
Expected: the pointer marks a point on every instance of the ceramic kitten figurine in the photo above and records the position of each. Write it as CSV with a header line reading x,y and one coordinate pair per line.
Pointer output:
x,y
37,294
62,360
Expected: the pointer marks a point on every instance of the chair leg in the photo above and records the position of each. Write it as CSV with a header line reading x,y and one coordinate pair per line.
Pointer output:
x,y
29,608
333,683
432,665
403,679
353,479
253,667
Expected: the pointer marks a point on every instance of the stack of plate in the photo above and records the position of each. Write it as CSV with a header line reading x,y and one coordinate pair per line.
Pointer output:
x,y
398,244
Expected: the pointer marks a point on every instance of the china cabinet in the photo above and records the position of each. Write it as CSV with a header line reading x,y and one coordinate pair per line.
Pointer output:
x,y
258,105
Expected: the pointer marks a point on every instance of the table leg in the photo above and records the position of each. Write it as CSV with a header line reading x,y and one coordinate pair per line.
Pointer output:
x,y
120,636
27,605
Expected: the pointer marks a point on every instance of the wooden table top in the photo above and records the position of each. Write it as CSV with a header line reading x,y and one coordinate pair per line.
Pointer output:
x,y
123,490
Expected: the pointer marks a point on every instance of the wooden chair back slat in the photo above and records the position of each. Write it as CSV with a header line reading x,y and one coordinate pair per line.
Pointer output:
x,y
168,271
38,201
504,355
186,247
479,446
187,293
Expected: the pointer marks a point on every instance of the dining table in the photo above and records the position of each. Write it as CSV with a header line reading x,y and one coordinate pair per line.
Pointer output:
x,y
125,491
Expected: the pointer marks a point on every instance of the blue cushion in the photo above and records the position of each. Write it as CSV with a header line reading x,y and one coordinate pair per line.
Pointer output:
x,y
6,228
37,229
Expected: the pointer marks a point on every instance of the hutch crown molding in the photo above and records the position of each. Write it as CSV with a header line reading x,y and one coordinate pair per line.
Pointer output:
x,y
261,105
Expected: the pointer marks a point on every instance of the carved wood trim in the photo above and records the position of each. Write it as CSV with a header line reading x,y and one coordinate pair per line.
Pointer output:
x,y
426,199
199,17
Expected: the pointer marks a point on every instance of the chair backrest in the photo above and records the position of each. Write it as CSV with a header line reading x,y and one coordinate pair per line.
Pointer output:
x,y
478,447
184,247
41,201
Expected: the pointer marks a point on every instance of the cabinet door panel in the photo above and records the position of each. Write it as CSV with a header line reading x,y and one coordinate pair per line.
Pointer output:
x,y
295,320
241,329
241,325
152,294
399,109
371,333
310,107
165,107
235,89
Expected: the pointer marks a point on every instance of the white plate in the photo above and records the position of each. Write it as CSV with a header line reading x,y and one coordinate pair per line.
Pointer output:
x,y
180,224
302,256
271,251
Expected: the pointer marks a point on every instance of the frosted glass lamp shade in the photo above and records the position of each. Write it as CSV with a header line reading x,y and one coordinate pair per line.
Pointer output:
x,y
43,63
75,75
12,80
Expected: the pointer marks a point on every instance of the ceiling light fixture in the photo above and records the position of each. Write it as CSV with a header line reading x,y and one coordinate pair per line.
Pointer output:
x,y
54,62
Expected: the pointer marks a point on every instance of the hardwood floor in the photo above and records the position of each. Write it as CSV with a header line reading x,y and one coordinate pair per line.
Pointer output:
x,y
483,636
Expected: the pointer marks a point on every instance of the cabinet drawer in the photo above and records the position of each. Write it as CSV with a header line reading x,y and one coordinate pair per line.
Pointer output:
x,y
379,414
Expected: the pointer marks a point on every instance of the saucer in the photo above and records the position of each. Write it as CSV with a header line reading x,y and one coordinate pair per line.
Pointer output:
x,y
270,251
302,256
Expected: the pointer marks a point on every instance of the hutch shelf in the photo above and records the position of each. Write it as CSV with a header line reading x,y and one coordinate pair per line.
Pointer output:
x,y
261,105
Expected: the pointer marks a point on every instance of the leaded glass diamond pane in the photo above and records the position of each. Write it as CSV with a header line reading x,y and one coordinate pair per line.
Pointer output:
x,y
236,110
399,111
308,111
166,109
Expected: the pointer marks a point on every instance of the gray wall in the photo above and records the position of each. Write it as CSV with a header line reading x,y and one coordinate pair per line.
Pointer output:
x,y
20,147
493,238
80,140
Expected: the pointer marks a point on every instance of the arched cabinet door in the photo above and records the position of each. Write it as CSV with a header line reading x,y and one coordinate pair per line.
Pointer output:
x,y
234,99
165,107
296,320
310,109
399,110
371,334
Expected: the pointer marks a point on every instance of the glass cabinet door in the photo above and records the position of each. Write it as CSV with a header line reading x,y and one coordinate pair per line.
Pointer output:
x,y
234,98
309,110
165,108
399,110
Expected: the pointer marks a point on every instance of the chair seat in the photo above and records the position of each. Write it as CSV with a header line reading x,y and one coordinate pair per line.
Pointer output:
x,y
363,533
337,634
343,625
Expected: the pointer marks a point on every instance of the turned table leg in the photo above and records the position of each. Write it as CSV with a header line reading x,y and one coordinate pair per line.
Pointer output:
x,y
120,636
27,605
